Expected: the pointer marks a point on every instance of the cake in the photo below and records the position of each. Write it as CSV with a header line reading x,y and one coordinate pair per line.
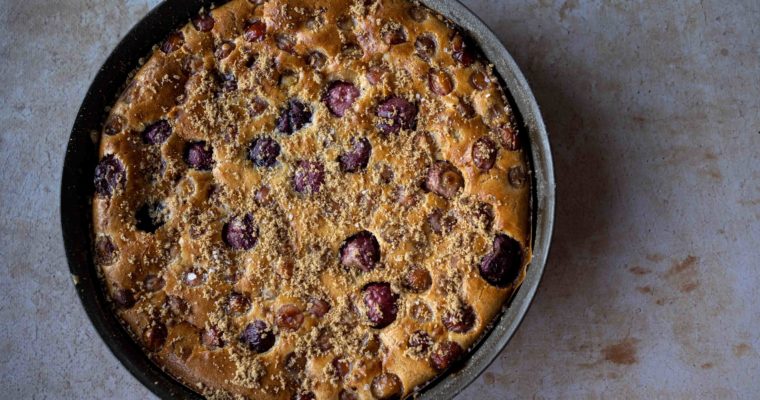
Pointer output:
x,y
311,200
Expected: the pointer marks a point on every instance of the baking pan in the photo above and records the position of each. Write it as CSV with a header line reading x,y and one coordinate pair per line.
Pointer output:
x,y
81,157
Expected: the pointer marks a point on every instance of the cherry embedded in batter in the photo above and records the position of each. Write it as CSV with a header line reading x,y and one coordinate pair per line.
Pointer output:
x,y
440,223
154,336
345,394
173,42
264,152
289,317
386,386
510,140
318,308
304,396
177,306
255,31
425,47
341,367
114,125
444,179
394,35
502,265
199,156
420,343
257,336
240,233
439,82
340,96
460,320
375,74
124,298
417,279
212,338
462,51
418,13
106,252
360,251
203,22
380,302
517,176
309,177
445,354
479,80
285,42
224,50
484,153
154,283
157,132
357,157
396,113
237,304
109,175
293,117
317,59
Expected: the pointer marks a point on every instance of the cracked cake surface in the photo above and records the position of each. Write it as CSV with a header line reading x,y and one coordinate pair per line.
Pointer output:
x,y
311,200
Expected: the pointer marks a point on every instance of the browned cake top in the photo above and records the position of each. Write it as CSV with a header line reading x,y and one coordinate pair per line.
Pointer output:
x,y
311,199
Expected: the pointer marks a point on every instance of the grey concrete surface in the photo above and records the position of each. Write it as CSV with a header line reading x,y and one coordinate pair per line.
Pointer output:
x,y
652,287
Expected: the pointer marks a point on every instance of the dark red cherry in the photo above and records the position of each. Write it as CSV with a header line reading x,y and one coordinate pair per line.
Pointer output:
x,y
387,387
509,137
396,113
462,50
264,152
340,97
200,156
106,252
124,298
203,22
459,321
356,159
173,42
318,308
502,265
420,342
444,179
255,31
394,36
445,355
484,153
237,304
309,177
289,317
109,175
240,233
360,251
155,336
157,132
381,304
212,338
258,336
425,46
293,117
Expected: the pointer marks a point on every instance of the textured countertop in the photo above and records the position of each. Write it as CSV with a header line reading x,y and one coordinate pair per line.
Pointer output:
x,y
651,290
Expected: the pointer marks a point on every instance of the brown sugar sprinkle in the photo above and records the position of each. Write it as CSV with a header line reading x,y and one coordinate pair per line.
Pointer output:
x,y
310,199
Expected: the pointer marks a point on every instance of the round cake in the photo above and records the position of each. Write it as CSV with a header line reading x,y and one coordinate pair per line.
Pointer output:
x,y
311,200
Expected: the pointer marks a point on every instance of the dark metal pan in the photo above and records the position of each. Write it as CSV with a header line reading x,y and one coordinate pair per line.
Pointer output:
x,y
81,158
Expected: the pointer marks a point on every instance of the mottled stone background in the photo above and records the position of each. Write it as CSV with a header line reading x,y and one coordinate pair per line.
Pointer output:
x,y
651,291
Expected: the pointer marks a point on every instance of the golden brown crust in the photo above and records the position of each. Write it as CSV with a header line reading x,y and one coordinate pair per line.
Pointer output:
x,y
187,294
